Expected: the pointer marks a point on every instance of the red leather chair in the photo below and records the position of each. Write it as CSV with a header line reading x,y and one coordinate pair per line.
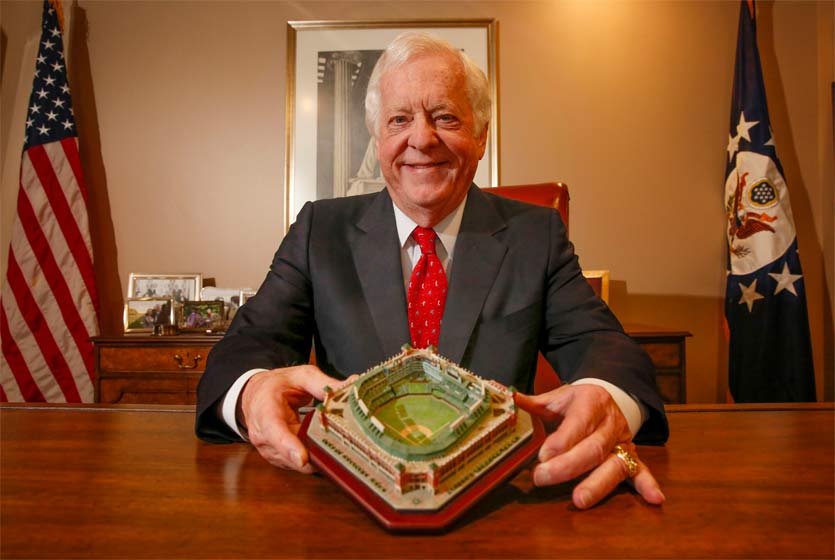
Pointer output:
x,y
552,195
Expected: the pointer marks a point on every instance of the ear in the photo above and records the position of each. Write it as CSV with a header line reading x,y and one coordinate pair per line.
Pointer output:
x,y
482,140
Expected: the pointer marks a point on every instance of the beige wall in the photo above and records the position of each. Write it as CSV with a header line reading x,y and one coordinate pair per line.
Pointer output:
x,y
181,116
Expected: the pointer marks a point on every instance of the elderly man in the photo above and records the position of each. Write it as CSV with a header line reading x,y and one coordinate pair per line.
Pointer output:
x,y
506,283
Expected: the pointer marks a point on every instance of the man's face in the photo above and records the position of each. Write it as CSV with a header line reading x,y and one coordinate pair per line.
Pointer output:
x,y
426,141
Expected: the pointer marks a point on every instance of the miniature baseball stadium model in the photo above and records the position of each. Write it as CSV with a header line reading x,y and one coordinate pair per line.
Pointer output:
x,y
414,435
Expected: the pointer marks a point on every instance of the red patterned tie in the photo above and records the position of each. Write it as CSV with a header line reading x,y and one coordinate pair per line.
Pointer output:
x,y
427,292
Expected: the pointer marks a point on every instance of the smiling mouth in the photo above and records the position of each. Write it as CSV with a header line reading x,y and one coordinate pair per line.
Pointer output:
x,y
429,165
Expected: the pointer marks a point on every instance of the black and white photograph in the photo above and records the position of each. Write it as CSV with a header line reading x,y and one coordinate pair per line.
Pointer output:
x,y
179,287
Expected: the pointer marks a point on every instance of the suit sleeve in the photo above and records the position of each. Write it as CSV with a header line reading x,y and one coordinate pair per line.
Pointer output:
x,y
584,339
273,329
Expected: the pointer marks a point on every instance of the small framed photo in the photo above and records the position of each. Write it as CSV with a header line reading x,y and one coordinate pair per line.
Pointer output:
x,y
201,316
231,299
142,314
245,295
179,287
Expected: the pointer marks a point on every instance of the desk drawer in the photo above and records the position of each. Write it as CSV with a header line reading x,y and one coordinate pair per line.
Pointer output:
x,y
663,354
134,389
153,359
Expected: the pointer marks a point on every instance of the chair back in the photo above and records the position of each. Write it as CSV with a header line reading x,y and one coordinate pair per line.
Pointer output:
x,y
552,195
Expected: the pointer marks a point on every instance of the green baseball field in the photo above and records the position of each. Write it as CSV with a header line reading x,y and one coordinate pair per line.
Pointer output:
x,y
415,418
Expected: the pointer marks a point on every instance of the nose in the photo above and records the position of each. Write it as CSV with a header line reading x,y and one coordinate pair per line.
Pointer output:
x,y
423,134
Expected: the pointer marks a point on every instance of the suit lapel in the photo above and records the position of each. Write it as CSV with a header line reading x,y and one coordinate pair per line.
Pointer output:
x,y
478,256
376,253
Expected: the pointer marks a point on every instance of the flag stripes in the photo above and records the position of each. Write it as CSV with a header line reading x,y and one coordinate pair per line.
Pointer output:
x,y
26,388
39,327
58,201
49,302
44,265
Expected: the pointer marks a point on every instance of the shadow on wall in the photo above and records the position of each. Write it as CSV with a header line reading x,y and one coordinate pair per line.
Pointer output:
x,y
111,300
706,350
808,242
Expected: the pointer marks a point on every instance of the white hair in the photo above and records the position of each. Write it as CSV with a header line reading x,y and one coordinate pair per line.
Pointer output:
x,y
410,45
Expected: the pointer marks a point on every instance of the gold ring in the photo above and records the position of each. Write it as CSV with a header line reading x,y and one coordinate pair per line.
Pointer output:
x,y
628,460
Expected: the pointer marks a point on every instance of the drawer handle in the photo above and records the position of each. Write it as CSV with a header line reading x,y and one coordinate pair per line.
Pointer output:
x,y
181,365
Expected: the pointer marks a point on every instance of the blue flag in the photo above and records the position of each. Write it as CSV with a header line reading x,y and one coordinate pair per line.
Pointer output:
x,y
770,354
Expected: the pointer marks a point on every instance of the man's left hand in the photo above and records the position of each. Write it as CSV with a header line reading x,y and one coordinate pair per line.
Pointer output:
x,y
587,425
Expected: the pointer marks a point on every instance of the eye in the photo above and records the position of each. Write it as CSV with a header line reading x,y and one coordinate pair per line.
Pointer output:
x,y
398,120
446,118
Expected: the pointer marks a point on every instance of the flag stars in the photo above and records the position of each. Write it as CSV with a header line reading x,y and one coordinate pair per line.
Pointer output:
x,y
57,67
67,124
770,141
49,80
41,59
43,129
35,108
744,126
65,89
55,31
785,280
749,295
733,146
52,115
48,45
58,102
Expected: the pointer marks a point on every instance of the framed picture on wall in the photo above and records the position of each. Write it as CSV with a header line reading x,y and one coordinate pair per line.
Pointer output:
x,y
330,152
179,287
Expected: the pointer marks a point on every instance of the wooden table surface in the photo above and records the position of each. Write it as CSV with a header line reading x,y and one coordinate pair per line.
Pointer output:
x,y
107,481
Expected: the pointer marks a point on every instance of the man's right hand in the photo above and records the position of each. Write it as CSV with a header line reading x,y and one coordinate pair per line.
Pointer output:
x,y
270,403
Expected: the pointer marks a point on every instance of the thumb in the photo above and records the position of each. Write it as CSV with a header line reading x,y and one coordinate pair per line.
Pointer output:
x,y
312,380
549,406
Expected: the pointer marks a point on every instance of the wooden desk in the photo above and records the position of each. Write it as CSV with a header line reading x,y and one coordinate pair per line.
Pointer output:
x,y
94,482
135,369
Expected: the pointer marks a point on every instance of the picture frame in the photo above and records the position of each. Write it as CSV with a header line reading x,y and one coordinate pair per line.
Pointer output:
x,y
231,298
313,170
245,295
599,281
179,287
201,316
142,314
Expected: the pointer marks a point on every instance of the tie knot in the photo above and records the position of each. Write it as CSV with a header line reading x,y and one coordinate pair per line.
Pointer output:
x,y
425,237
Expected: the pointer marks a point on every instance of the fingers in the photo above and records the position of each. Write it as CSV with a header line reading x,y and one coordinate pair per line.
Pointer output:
x,y
557,466
548,406
277,442
603,479
589,425
647,486
270,403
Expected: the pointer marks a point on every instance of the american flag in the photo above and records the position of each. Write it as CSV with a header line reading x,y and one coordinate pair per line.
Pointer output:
x,y
49,303
770,353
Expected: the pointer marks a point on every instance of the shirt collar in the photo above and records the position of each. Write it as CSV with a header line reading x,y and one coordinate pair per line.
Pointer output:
x,y
447,229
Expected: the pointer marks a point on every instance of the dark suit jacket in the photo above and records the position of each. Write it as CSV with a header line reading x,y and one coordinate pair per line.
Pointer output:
x,y
515,288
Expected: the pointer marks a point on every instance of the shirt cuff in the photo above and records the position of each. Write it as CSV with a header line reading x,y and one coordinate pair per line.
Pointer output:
x,y
230,401
632,409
